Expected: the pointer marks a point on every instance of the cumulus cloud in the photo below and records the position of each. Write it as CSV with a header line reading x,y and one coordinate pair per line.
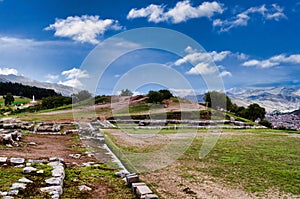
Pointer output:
x,y
73,77
182,12
273,12
195,57
84,29
8,71
203,61
274,61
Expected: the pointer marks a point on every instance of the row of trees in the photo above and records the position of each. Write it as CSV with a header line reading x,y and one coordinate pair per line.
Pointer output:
x,y
218,100
25,91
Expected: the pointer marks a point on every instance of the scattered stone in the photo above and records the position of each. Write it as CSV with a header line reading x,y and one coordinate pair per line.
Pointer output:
x,y
142,190
151,196
13,192
17,160
54,181
3,160
52,190
3,193
18,186
75,156
132,178
84,188
188,190
29,170
32,143
134,185
122,173
8,197
40,172
25,180
9,145
56,159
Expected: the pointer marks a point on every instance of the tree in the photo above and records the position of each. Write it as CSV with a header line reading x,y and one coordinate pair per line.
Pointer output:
x,y
166,94
126,92
254,111
218,100
155,97
8,99
81,95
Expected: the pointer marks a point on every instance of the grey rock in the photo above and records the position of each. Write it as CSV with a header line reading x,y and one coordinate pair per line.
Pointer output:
x,y
40,172
17,160
3,193
52,190
32,143
25,180
29,170
13,192
8,197
54,181
19,166
122,173
84,188
75,156
3,160
54,159
18,186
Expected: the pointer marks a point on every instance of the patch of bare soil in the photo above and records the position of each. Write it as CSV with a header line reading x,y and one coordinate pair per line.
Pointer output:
x,y
46,146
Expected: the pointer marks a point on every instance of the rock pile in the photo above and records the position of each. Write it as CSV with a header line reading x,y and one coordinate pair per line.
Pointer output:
x,y
139,188
54,184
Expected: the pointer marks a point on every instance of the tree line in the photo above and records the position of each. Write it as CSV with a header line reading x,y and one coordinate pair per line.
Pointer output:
x,y
18,89
218,100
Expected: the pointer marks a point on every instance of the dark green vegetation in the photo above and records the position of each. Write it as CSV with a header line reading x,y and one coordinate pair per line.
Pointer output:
x,y
25,91
8,99
159,96
126,92
217,100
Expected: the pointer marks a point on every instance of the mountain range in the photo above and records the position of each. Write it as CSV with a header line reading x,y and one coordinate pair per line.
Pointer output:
x,y
59,88
276,99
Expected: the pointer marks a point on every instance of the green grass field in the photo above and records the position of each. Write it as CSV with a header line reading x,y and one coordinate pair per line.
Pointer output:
x,y
256,160
18,100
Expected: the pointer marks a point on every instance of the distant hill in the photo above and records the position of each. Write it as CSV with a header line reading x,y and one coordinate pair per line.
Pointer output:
x,y
59,88
277,99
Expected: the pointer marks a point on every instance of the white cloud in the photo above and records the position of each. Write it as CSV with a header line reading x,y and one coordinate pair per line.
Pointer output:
x,y
75,73
225,73
274,61
8,71
203,69
83,29
73,77
75,83
195,57
182,12
274,12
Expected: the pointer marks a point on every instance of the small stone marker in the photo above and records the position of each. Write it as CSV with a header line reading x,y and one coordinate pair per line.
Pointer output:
x,y
132,178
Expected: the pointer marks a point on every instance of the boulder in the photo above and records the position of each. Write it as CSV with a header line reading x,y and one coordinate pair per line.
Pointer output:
x,y
25,180
18,186
84,188
17,160
27,170
3,160
54,181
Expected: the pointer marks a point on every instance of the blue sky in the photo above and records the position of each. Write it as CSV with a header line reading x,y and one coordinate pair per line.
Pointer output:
x,y
252,43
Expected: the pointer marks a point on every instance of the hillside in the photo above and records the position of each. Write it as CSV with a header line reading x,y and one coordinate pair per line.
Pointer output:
x,y
59,88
